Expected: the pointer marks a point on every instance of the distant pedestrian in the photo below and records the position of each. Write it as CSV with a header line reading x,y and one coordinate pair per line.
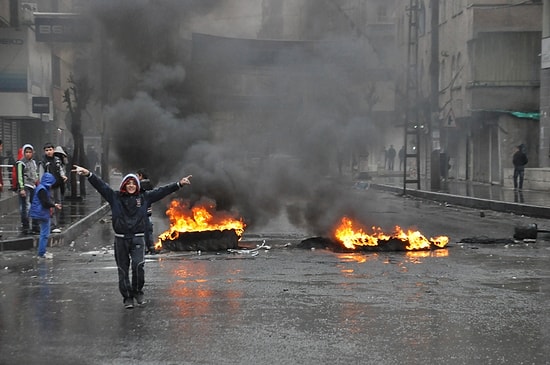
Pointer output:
x,y
40,211
93,158
401,155
1,162
391,157
27,179
519,160
146,185
60,153
129,220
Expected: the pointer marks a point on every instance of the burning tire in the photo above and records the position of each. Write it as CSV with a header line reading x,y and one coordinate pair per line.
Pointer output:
x,y
389,245
209,241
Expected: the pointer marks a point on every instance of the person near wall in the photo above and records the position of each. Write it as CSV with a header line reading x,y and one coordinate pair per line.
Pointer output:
x,y
41,211
391,157
1,161
54,165
401,155
27,179
519,159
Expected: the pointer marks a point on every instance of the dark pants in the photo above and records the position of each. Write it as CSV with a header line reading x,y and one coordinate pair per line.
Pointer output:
x,y
130,252
518,177
390,164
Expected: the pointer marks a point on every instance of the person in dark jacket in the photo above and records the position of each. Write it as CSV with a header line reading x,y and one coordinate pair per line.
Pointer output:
x,y
146,185
1,167
519,159
40,210
54,165
129,220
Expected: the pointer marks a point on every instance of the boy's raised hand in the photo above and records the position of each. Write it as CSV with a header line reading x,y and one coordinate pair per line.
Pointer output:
x,y
185,180
80,170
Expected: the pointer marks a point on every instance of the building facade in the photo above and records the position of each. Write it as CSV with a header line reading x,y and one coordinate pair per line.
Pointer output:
x,y
487,80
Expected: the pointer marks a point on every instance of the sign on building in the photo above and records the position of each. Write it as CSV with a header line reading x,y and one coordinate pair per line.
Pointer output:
x,y
62,28
40,104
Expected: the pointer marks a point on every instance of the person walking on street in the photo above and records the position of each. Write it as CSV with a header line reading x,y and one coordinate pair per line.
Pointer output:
x,y
54,165
401,155
391,157
1,162
40,211
146,185
27,179
129,221
519,159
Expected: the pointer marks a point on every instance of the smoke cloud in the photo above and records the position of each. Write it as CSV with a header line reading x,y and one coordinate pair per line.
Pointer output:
x,y
289,159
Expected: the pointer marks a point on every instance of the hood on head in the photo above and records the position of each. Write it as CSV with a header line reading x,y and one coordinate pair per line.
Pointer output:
x,y
47,179
60,151
125,180
27,145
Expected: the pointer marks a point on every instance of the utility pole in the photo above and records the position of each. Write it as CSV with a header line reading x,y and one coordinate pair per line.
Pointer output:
x,y
411,126
438,163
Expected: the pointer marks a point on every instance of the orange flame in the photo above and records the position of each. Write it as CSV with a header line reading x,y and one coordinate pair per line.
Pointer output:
x,y
200,217
352,237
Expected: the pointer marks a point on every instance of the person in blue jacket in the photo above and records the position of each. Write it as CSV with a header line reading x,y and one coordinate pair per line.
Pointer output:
x,y
129,220
41,211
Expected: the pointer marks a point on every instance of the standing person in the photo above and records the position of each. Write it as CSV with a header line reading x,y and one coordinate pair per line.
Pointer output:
x,y
391,157
146,185
1,162
129,221
40,211
27,178
60,153
519,159
401,155
93,158
54,165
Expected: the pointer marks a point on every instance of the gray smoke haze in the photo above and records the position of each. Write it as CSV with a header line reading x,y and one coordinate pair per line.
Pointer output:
x,y
287,161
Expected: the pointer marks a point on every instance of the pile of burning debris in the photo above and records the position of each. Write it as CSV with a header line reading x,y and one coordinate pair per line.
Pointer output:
x,y
202,228
350,237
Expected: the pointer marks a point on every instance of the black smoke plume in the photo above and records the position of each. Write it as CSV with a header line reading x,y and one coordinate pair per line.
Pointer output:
x,y
291,160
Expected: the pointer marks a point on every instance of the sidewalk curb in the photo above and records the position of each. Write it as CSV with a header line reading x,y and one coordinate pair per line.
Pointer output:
x,y
78,228
56,239
471,202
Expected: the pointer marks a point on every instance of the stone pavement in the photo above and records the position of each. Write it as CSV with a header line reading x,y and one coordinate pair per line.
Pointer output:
x,y
534,203
82,213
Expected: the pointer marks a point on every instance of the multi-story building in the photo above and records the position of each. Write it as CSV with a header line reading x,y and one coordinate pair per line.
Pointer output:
x,y
36,58
487,78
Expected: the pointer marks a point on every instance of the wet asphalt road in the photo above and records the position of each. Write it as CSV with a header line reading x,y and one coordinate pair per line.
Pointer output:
x,y
466,304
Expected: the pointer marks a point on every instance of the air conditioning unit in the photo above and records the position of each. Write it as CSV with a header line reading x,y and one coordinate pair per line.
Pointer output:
x,y
26,12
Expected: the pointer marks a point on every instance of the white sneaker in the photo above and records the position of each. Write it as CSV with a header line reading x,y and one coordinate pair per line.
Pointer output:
x,y
48,255
56,230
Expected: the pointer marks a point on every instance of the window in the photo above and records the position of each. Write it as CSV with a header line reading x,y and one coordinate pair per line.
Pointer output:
x,y
382,14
